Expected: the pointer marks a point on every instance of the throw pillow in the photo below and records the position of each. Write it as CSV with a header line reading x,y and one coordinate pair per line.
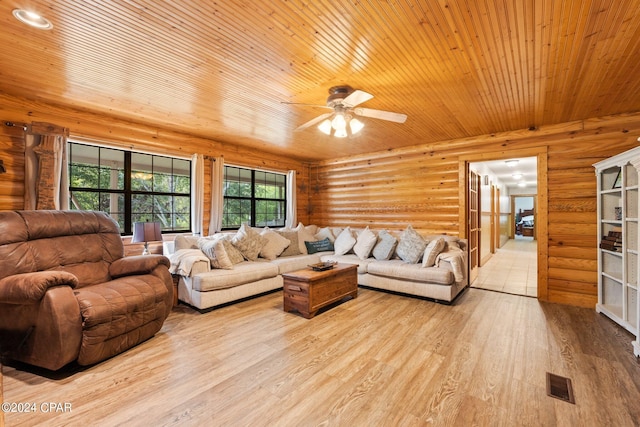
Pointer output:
x,y
303,236
383,250
185,242
319,246
249,242
325,233
275,244
344,242
411,246
293,248
451,245
364,243
234,254
432,251
215,251
311,229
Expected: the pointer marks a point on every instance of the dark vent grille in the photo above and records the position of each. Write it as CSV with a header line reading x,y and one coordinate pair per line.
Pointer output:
x,y
560,388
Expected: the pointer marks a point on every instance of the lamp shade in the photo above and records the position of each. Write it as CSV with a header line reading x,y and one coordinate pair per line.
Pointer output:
x,y
340,124
146,232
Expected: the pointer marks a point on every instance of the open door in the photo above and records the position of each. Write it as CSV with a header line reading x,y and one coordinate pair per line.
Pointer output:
x,y
496,218
473,231
492,237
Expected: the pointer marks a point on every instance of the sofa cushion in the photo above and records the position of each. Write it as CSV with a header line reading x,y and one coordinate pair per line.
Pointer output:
x,y
249,242
344,242
365,242
311,228
119,306
323,245
293,248
214,250
296,262
348,259
385,246
415,272
411,246
275,245
304,235
183,241
244,272
234,254
325,233
432,250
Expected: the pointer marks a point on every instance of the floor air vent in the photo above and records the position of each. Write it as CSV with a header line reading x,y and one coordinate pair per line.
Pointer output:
x,y
560,388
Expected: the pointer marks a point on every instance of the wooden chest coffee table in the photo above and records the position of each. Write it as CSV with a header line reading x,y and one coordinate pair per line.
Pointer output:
x,y
308,291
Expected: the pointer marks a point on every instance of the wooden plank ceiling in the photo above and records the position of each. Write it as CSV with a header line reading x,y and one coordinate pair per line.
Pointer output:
x,y
221,70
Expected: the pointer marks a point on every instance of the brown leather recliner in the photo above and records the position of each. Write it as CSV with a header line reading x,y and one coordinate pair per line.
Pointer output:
x,y
68,293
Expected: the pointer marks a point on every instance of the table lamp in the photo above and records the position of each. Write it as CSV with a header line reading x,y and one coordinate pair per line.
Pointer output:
x,y
146,232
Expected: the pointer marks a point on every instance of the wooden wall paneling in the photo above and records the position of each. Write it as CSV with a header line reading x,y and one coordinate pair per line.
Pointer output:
x,y
134,136
542,231
353,191
206,216
12,154
418,189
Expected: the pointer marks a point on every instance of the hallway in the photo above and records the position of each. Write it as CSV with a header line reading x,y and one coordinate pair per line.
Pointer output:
x,y
512,269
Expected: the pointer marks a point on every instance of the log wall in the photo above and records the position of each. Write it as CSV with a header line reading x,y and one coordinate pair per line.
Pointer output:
x,y
126,135
424,186
419,185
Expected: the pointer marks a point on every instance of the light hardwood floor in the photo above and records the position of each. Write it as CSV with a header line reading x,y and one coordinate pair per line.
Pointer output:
x,y
378,360
512,269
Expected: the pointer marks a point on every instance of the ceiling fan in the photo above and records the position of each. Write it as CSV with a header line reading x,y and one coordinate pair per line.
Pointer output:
x,y
343,101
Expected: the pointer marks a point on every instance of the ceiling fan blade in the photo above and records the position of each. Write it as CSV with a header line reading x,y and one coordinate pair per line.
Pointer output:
x,y
379,114
313,121
356,97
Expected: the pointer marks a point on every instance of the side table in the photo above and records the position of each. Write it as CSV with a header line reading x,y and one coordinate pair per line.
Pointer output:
x,y
176,279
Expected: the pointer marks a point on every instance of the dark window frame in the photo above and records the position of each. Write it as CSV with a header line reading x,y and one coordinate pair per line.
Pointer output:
x,y
253,199
128,192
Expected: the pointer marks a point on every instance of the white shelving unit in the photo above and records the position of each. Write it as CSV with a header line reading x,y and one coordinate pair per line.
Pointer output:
x,y
618,270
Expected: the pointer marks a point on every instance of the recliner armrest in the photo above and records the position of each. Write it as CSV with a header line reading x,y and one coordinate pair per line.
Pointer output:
x,y
139,264
28,288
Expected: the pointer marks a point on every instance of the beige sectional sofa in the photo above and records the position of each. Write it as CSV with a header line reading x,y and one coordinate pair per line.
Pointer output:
x,y
204,287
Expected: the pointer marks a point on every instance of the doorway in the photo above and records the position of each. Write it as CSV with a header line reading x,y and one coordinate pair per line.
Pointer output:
x,y
505,240
524,209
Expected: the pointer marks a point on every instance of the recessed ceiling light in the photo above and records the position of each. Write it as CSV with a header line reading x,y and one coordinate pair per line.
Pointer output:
x,y
517,175
32,19
522,184
511,163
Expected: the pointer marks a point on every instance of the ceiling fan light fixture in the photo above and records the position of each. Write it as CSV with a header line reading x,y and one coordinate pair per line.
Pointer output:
x,y
339,123
355,125
340,133
325,127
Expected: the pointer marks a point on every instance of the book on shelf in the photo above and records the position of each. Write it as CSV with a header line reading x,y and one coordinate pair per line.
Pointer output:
x,y
611,248
612,241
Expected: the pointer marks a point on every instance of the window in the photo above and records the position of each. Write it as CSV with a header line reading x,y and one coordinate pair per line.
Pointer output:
x,y
131,187
253,196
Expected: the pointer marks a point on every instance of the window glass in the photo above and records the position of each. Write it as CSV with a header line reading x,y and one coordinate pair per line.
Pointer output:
x,y
159,187
255,197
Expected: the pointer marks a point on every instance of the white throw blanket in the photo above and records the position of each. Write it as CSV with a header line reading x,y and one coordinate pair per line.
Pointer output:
x,y
456,259
182,261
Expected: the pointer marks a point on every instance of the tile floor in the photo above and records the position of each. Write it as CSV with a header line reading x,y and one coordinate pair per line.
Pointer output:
x,y
512,269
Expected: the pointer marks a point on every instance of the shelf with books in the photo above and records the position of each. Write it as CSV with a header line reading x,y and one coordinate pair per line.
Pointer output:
x,y
618,240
